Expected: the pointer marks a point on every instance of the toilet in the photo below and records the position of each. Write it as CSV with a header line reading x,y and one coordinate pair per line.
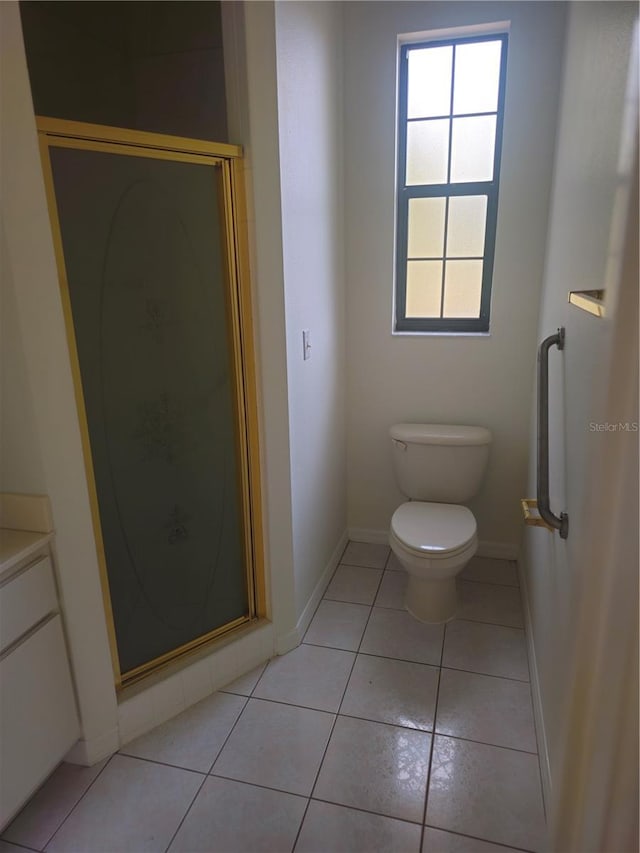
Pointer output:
x,y
438,467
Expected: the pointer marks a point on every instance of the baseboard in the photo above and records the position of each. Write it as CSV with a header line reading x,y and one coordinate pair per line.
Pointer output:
x,y
498,550
89,752
536,697
374,537
289,641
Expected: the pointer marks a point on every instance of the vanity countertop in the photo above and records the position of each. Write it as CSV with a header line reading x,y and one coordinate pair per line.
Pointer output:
x,y
26,526
17,545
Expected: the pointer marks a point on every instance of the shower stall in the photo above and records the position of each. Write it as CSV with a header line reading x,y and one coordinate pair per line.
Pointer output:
x,y
149,237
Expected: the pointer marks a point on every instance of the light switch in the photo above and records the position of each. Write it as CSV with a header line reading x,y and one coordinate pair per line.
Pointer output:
x,y
306,344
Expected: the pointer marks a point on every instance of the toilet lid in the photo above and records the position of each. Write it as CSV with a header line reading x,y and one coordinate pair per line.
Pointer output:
x,y
437,529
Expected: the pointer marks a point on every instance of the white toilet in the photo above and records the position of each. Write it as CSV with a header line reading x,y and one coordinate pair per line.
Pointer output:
x,y
438,468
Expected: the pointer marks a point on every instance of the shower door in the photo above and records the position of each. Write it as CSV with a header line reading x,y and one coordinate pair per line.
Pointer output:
x,y
147,238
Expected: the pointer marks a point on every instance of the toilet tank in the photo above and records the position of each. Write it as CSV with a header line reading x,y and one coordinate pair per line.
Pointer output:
x,y
439,462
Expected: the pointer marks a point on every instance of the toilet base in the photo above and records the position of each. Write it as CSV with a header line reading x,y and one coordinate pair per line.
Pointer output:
x,y
431,600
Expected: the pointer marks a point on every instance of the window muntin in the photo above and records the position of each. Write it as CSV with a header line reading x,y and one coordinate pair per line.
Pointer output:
x,y
450,128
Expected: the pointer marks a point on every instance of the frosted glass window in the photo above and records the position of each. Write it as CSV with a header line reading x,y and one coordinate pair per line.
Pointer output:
x,y
424,286
472,149
450,121
477,77
466,226
427,151
426,227
429,89
462,289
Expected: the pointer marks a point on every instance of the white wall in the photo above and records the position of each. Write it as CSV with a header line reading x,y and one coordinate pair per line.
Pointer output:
x,y
152,68
309,67
37,346
20,453
579,257
250,69
451,379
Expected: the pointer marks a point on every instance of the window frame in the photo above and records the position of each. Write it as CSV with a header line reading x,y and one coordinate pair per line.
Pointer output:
x,y
447,190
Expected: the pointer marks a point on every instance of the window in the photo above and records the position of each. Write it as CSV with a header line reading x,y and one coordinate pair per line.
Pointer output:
x,y
451,105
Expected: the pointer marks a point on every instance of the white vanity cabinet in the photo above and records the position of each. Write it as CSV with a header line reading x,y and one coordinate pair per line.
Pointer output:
x,y
38,716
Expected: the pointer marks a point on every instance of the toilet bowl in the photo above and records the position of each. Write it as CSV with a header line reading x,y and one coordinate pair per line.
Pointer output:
x,y
433,542
433,536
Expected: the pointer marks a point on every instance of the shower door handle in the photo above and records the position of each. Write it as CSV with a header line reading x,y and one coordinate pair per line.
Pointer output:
x,y
561,522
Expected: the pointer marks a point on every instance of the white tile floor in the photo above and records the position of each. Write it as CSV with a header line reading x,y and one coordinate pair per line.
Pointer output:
x,y
378,733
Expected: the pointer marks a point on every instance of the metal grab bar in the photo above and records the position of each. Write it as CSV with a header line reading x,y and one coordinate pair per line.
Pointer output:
x,y
558,523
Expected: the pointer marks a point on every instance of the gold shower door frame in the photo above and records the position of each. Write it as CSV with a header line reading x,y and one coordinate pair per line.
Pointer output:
x,y
111,140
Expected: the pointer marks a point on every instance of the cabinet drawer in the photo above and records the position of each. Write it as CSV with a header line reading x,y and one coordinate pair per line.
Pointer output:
x,y
25,600
38,719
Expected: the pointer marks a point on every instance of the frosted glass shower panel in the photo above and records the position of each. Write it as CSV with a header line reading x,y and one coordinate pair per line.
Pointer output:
x,y
144,254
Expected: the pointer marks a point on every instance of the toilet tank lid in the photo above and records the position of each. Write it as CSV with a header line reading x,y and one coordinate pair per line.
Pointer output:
x,y
440,434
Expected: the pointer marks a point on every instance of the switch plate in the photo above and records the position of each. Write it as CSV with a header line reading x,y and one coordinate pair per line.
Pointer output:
x,y
306,344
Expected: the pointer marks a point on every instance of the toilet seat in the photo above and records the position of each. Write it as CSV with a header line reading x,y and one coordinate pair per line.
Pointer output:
x,y
434,530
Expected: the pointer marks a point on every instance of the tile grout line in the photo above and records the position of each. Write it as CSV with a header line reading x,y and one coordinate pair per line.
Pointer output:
x,y
120,751
487,674
484,840
422,663
306,808
491,745
360,566
19,846
247,697
489,583
294,704
74,807
429,731
404,610
250,693
260,785
367,811
184,816
161,763
347,716
337,714
433,740
482,622
206,776
315,612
